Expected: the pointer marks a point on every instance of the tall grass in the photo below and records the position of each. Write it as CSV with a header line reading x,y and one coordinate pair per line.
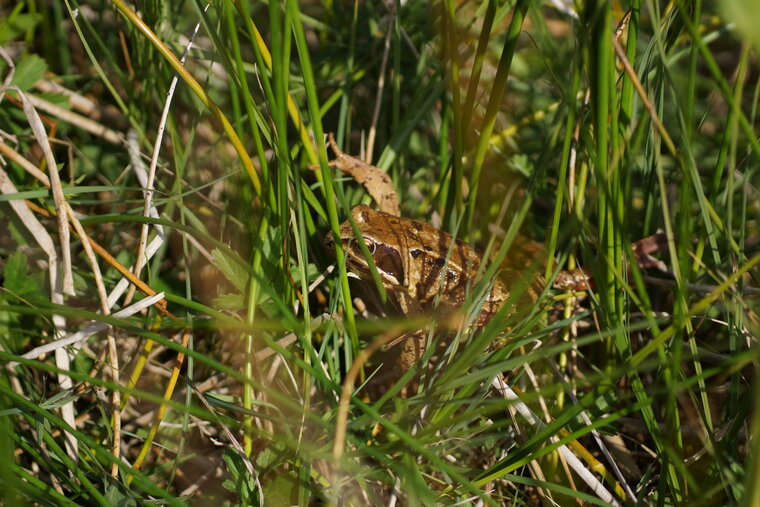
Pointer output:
x,y
586,130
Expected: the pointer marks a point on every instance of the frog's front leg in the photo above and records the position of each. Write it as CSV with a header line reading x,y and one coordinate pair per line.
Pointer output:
x,y
413,342
412,348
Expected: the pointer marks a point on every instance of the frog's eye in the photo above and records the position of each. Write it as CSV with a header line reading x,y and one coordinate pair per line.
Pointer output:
x,y
389,262
371,245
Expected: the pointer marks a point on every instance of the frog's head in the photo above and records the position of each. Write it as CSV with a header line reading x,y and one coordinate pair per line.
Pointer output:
x,y
380,234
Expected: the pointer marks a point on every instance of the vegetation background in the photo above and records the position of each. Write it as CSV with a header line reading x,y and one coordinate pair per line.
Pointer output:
x,y
586,126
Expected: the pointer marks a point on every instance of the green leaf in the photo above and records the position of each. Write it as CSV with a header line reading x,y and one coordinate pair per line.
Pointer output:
x,y
29,70
241,482
231,270
521,163
231,302
281,491
62,398
116,495
19,281
17,23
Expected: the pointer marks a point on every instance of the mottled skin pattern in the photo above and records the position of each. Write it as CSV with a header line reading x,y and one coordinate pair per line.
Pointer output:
x,y
416,261
419,265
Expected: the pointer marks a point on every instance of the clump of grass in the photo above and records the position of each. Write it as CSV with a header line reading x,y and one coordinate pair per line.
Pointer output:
x,y
228,374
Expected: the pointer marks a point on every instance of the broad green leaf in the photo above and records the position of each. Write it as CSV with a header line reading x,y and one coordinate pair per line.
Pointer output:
x,y
29,70
19,281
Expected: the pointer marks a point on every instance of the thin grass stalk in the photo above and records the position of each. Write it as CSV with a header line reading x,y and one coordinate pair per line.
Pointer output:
x,y
250,107
736,317
717,75
683,226
297,218
598,15
570,95
674,358
628,92
627,113
396,83
692,75
271,206
196,88
726,140
686,233
75,20
455,203
494,103
280,35
329,189
249,367
307,381
237,116
379,93
670,477
444,160
168,393
473,84
396,44
617,213
189,362
261,49
344,116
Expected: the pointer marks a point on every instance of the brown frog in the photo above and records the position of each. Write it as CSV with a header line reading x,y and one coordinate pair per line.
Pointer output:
x,y
423,269
417,263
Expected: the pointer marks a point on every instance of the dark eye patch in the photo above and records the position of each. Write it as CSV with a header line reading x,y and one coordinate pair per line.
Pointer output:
x,y
371,245
415,253
388,261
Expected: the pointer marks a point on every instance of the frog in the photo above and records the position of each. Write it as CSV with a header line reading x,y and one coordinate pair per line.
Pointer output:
x,y
424,270
421,267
